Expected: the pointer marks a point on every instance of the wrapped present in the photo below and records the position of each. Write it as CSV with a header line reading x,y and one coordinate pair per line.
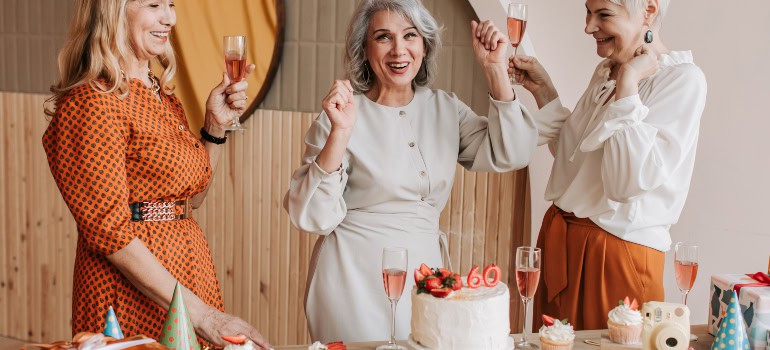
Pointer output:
x,y
754,299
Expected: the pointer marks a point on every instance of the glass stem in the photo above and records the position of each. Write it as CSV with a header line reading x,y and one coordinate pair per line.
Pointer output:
x,y
513,76
393,304
684,297
525,332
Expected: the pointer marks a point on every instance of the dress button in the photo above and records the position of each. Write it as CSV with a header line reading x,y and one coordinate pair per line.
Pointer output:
x,y
422,173
401,113
411,144
422,199
197,145
181,127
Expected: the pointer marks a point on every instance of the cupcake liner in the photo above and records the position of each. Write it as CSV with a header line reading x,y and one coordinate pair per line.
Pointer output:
x,y
624,334
546,344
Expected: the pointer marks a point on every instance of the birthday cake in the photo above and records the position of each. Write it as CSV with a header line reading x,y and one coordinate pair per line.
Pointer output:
x,y
469,316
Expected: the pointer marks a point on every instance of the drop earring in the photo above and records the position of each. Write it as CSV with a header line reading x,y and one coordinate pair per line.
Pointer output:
x,y
648,36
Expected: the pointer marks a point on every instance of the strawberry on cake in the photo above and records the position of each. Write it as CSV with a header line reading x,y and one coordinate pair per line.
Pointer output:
x,y
448,315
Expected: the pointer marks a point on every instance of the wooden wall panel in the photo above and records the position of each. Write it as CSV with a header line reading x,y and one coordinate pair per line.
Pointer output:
x,y
261,260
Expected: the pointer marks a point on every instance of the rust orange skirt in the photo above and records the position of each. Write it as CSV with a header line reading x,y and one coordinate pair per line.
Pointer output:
x,y
586,270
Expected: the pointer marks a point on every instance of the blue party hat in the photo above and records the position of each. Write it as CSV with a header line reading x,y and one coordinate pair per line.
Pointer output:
x,y
732,330
111,325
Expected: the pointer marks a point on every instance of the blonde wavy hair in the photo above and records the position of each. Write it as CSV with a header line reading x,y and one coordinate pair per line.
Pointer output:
x,y
97,47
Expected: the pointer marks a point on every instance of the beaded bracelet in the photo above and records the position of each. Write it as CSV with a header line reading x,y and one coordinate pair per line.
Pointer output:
x,y
211,138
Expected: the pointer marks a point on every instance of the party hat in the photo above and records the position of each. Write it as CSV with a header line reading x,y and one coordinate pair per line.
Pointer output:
x,y
178,333
732,330
111,325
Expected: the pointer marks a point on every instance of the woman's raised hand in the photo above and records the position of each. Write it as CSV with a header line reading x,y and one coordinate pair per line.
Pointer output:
x,y
642,66
228,100
533,77
489,44
339,106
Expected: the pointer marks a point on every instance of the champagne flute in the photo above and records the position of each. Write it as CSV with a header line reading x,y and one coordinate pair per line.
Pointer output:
x,y
517,24
686,269
527,278
234,48
394,261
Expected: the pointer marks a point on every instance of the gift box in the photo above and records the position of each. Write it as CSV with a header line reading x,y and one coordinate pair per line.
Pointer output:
x,y
754,299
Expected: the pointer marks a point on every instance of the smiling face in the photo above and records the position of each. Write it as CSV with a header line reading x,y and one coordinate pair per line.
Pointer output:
x,y
618,33
149,25
394,50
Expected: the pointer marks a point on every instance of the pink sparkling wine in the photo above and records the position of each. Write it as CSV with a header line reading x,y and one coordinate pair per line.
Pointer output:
x,y
394,280
516,28
236,65
685,271
526,280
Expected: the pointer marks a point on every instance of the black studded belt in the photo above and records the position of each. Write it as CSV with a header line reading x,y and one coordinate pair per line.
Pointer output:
x,y
160,211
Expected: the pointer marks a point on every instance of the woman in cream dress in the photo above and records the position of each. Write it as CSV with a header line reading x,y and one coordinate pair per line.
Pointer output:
x,y
380,161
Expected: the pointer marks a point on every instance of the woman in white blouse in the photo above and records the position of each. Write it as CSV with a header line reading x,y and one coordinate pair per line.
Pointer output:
x,y
623,161
380,162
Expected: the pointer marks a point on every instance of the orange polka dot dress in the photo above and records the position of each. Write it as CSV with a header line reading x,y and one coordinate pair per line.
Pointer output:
x,y
105,153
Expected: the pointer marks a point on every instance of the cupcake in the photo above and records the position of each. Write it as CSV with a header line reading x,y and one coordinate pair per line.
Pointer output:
x,y
556,335
625,323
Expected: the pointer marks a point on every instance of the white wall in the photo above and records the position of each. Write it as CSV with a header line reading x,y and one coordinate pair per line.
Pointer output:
x,y
730,41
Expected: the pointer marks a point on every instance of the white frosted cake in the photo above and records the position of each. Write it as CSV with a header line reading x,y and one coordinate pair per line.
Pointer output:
x,y
469,318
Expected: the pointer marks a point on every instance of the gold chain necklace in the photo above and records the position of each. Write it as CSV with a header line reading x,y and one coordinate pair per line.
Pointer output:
x,y
155,87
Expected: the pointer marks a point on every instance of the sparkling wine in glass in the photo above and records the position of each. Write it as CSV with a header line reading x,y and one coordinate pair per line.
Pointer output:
x,y
517,24
685,269
527,277
394,260
234,48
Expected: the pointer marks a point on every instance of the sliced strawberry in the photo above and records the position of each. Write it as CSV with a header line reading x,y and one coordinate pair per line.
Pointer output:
x,y
337,345
440,292
626,302
548,320
432,282
418,276
458,282
425,270
444,273
634,305
235,339
474,279
487,271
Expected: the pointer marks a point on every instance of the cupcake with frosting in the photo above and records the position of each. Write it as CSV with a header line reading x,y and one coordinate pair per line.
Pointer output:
x,y
625,323
556,335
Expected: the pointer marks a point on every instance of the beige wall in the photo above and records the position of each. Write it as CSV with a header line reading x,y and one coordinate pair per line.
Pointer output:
x,y
725,212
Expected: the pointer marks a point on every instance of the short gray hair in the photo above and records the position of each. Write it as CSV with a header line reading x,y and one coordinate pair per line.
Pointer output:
x,y
638,6
359,73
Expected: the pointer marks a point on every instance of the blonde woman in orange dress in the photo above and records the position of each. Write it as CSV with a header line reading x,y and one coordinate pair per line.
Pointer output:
x,y
128,167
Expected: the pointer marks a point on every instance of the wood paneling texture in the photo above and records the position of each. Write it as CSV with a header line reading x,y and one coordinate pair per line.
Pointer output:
x,y
261,259
31,33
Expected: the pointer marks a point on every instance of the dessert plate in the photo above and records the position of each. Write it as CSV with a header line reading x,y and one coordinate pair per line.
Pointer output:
x,y
415,345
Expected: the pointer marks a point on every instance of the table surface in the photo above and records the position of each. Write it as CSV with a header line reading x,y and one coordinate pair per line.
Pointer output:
x,y
703,343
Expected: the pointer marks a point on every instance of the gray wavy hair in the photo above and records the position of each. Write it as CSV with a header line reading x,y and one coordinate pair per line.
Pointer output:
x,y
638,6
359,73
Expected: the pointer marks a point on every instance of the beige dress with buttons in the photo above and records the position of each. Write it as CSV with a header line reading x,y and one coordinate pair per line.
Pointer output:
x,y
395,179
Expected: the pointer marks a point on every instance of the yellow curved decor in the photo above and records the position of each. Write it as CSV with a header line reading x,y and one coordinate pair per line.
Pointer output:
x,y
197,39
